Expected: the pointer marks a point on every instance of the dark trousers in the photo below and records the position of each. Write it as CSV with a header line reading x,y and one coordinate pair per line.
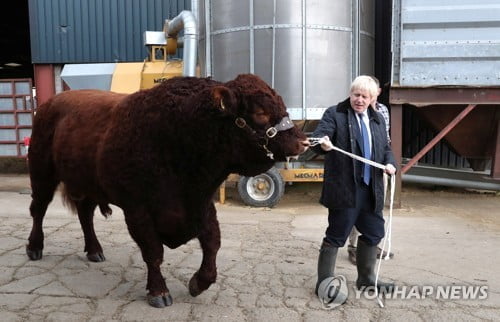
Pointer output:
x,y
368,222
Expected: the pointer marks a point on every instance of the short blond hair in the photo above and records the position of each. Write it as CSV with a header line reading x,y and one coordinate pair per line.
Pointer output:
x,y
365,83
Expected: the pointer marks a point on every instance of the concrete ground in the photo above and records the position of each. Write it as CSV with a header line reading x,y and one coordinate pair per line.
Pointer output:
x,y
267,263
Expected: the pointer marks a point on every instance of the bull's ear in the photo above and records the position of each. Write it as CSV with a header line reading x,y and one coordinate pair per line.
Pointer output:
x,y
224,98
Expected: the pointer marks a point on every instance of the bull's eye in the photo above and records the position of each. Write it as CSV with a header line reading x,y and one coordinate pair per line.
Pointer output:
x,y
260,117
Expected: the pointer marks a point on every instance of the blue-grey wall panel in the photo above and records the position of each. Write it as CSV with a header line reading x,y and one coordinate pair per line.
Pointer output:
x,y
96,31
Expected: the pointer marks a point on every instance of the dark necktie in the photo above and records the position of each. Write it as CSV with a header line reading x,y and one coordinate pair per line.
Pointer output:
x,y
366,149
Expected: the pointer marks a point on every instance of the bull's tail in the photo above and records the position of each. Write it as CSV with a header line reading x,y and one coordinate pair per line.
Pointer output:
x,y
71,201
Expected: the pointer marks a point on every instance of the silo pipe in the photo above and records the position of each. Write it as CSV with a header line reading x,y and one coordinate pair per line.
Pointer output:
x,y
451,182
194,9
187,21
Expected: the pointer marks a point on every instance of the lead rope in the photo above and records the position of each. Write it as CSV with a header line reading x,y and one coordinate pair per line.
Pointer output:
x,y
388,231
387,239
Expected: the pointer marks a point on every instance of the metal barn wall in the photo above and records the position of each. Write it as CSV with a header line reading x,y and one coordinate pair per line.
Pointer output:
x,y
446,42
440,44
96,31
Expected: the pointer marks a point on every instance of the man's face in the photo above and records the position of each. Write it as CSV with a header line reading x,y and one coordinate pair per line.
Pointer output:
x,y
360,100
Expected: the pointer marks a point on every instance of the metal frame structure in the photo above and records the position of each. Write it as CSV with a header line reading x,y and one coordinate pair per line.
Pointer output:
x,y
22,104
456,95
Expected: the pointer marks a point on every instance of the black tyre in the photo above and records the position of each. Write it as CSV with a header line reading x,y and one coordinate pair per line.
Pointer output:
x,y
263,190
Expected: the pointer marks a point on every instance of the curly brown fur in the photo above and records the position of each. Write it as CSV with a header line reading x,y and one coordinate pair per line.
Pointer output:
x,y
159,154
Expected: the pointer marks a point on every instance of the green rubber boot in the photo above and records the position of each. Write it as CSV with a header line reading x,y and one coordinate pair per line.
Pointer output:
x,y
326,262
366,258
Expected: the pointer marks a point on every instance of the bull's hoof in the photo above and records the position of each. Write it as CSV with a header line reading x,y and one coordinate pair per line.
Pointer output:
x,y
96,257
194,289
34,255
160,301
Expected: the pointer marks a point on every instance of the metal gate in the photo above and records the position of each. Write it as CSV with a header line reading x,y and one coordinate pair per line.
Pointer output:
x,y
16,116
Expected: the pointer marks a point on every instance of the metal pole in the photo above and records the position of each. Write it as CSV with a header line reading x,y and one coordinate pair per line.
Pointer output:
x,y
252,41
194,10
208,39
355,38
397,146
451,182
304,81
274,45
495,164
396,42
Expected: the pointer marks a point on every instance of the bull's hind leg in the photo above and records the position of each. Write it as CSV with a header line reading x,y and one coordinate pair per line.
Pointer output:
x,y
93,248
42,194
210,243
142,229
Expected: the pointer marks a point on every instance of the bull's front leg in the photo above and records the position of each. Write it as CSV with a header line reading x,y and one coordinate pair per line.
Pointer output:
x,y
141,228
210,243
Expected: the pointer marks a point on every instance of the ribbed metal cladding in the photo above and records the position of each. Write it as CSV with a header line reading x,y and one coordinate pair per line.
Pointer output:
x,y
309,51
446,42
96,31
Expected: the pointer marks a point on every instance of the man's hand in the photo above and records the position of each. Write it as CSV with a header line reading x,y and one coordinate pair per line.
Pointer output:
x,y
326,144
390,169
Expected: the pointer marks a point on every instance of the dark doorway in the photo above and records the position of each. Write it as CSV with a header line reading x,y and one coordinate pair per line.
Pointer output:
x,y
383,31
15,52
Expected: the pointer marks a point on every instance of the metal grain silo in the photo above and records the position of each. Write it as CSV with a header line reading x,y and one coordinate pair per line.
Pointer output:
x,y
308,50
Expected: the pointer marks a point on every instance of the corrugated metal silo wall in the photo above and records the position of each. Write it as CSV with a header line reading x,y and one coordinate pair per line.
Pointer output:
x,y
95,31
309,51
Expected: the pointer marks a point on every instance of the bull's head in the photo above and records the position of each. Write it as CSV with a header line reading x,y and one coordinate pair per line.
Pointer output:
x,y
260,114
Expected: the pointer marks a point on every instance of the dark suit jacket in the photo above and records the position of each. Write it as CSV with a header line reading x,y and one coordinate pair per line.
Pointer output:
x,y
342,173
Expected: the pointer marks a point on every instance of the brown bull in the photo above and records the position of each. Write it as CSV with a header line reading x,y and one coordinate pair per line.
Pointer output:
x,y
160,155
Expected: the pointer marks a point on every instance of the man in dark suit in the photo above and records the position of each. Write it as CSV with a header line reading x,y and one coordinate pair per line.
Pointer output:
x,y
352,191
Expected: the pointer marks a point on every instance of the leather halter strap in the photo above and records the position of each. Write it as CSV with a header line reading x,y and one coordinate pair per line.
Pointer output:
x,y
284,124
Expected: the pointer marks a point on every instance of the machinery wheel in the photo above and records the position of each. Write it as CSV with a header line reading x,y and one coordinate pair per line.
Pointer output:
x,y
263,190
